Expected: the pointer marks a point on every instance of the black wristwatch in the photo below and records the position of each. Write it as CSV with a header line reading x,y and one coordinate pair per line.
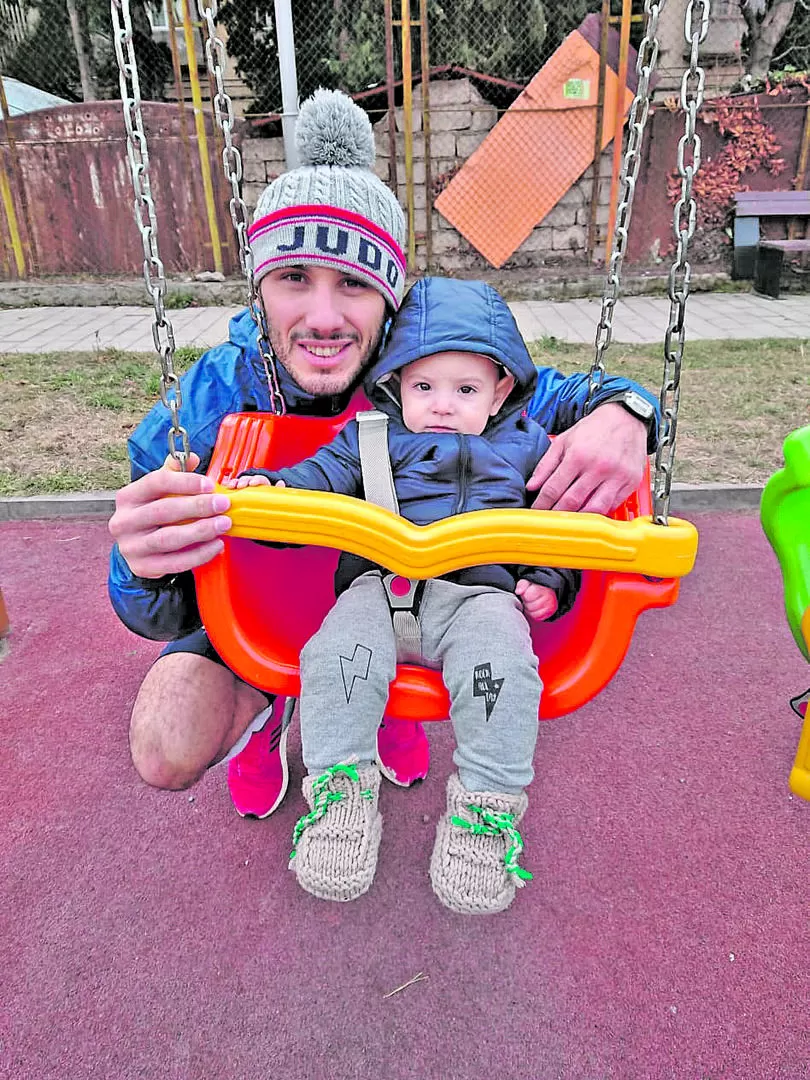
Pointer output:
x,y
636,404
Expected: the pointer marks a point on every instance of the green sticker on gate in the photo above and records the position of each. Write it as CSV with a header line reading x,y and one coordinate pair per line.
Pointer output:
x,y
577,89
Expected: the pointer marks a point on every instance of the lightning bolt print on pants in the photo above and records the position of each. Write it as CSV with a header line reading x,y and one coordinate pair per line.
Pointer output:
x,y
355,668
346,669
486,687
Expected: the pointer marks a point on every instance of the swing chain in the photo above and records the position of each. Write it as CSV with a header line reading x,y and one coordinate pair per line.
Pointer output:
x,y
232,165
146,220
637,120
696,26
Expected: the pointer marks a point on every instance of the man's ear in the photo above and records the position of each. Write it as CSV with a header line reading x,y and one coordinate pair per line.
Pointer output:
x,y
505,386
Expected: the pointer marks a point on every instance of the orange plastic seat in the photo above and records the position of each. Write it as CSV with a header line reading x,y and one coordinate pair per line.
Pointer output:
x,y
260,605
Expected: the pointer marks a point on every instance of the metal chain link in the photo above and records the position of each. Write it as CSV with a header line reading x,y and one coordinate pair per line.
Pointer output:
x,y
154,275
696,26
637,120
232,164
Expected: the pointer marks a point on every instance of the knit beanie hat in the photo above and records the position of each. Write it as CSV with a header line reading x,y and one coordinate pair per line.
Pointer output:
x,y
333,210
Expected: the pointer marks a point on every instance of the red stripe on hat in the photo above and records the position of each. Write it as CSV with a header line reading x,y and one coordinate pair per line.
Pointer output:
x,y
291,213
331,260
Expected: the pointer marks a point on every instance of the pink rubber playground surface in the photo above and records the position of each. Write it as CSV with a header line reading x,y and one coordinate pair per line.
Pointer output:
x,y
158,935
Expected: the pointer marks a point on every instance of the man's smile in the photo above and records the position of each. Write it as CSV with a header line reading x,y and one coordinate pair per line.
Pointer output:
x,y
323,355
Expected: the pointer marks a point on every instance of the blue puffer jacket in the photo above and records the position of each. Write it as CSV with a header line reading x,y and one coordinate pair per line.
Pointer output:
x,y
230,378
437,474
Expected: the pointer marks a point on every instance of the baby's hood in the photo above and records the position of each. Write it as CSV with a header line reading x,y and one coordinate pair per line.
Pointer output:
x,y
447,315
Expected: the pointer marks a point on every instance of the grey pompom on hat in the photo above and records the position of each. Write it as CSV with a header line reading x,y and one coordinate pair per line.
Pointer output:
x,y
332,130
333,210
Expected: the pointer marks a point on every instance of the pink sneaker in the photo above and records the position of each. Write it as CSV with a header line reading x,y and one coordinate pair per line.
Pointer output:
x,y
403,751
257,775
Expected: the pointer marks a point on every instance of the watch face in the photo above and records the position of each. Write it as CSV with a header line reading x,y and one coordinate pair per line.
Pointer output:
x,y
639,405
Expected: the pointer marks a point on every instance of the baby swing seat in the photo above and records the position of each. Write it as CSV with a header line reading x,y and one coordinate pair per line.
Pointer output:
x,y
261,604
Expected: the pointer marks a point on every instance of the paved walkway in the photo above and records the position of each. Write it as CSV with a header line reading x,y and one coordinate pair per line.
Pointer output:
x,y
638,319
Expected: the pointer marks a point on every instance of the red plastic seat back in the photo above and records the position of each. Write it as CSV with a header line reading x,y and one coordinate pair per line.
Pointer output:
x,y
260,605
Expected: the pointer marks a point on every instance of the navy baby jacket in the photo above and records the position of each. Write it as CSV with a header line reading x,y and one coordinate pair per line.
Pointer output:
x,y
439,474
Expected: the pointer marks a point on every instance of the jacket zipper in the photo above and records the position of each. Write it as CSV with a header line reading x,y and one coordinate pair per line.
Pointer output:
x,y
464,468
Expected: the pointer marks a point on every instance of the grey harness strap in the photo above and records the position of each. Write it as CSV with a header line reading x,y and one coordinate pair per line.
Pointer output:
x,y
375,461
378,487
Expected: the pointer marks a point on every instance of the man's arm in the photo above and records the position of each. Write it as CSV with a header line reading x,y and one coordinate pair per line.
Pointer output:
x,y
559,401
597,460
166,522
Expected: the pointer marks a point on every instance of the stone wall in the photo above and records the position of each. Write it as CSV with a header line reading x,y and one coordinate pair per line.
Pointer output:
x,y
720,53
459,122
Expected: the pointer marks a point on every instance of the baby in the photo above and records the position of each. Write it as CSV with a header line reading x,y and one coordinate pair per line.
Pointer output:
x,y
452,382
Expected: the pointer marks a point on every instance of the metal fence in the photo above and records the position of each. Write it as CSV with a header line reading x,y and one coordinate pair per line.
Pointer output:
x,y
64,47
343,44
502,157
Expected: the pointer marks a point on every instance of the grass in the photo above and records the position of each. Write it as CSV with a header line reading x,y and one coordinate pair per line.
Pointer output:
x,y
178,299
739,399
65,417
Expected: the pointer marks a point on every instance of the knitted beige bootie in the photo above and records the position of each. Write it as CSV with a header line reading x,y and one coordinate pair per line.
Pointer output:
x,y
474,867
335,845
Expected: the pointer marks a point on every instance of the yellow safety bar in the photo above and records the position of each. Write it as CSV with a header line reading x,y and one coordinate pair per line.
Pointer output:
x,y
540,538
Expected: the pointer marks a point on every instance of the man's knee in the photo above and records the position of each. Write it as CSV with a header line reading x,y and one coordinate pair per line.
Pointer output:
x,y
189,712
152,755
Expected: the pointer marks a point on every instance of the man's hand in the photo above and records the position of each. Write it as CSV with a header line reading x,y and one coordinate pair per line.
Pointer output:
x,y
539,601
158,535
594,465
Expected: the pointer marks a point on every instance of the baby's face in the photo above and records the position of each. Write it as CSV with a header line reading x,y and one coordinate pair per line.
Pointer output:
x,y
452,392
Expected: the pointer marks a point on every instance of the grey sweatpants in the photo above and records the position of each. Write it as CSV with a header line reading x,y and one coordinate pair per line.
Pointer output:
x,y
476,635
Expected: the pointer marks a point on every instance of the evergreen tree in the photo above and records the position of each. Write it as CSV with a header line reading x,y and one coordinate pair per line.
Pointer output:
x,y
252,43
46,56
356,34
504,38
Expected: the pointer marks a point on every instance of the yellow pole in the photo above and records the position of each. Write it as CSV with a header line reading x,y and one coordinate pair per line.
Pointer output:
x,y
5,190
11,216
801,173
424,68
621,88
202,140
407,114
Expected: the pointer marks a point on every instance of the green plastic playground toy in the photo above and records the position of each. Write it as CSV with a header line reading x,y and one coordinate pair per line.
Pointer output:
x,y
785,516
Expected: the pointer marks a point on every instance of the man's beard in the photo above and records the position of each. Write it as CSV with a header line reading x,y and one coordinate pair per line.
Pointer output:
x,y
324,383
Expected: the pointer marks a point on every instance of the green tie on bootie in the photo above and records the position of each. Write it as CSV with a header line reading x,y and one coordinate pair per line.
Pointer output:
x,y
335,845
474,868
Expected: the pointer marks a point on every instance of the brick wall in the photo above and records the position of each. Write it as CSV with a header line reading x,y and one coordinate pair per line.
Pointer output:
x,y
459,122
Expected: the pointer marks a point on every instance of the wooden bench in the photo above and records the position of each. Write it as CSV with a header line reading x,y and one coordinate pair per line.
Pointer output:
x,y
761,259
